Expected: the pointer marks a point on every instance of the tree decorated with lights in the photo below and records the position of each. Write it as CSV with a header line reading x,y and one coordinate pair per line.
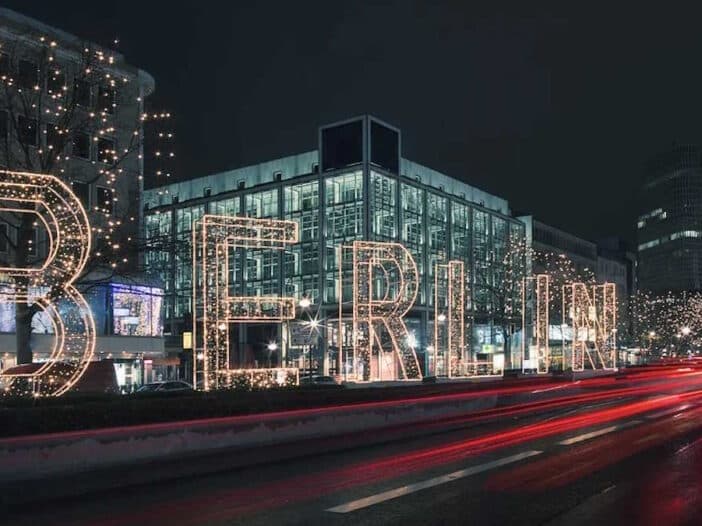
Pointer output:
x,y
75,111
670,321
561,271
497,290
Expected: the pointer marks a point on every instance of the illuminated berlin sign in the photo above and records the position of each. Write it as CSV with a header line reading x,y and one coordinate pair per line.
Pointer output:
x,y
450,280
214,306
385,285
593,313
536,289
63,217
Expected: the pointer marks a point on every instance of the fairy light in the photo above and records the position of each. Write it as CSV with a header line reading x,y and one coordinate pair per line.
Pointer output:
x,y
69,241
63,114
593,320
451,278
536,289
213,237
387,267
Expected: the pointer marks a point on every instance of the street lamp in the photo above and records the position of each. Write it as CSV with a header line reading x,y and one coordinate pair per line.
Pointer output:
x,y
685,331
272,346
305,302
441,318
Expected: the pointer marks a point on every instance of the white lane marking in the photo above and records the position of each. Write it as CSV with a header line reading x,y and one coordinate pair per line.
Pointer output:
x,y
667,412
429,483
556,387
599,432
647,438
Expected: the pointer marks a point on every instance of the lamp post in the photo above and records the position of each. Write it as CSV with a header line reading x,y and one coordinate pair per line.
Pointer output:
x,y
685,332
651,336
305,304
272,346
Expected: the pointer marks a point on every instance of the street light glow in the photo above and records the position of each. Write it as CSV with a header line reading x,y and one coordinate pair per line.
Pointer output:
x,y
305,302
272,346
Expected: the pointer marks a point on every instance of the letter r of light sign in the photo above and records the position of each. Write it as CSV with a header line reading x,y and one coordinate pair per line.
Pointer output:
x,y
213,306
385,285
61,213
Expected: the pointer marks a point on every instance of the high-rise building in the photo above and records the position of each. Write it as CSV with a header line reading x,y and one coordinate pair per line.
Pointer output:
x,y
669,225
355,186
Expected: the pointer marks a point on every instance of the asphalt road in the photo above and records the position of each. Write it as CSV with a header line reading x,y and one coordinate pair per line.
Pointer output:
x,y
631,458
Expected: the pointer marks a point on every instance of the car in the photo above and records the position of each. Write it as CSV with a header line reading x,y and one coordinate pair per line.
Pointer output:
x,y
318,380
169,386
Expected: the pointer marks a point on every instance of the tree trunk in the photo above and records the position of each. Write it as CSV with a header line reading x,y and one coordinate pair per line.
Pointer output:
x,y
23,311
23,332
507,350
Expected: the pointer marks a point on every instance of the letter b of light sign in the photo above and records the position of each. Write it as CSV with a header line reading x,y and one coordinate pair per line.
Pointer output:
x,y
50,287
213,307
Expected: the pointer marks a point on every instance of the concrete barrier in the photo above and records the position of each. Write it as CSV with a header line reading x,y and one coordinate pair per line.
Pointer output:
x,y
34,457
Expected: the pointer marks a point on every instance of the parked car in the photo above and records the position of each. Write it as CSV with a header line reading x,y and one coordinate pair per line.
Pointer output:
x,y
170,386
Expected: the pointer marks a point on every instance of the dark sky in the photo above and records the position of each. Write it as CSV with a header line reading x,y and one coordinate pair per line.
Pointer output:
x,y
556,110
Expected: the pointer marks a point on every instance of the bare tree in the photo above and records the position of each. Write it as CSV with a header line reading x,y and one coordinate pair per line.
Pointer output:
x,y
497,290
75,111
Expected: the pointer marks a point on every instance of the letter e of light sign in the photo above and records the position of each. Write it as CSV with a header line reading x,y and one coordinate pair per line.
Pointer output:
x,y
213,306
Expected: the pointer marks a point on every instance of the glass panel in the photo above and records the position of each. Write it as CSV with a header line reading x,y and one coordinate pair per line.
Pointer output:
x,y
384,220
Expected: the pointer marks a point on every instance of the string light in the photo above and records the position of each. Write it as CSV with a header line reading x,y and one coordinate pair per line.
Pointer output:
x,y
593,320
537,287
213,237
69,240
452,275
391,268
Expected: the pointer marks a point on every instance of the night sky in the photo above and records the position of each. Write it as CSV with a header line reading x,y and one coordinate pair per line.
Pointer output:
x,y
555,110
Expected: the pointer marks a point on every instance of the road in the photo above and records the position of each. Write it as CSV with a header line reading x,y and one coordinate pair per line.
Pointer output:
x,y
612,451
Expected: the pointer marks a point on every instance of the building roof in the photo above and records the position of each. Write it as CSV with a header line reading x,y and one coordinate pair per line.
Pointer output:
x,y
13,19
302,164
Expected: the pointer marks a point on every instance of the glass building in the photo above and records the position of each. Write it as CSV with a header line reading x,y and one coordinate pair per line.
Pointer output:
x,y
355,186
669,226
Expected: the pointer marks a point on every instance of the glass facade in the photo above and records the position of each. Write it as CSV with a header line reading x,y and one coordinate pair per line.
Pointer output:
x,y
333,207
668,227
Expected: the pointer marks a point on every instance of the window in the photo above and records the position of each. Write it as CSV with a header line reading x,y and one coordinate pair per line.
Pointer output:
x,y
4,65
104,199
106,150
3,237
32,241
82,191
27,130
27,74
81,145
55,140
3,125
81,93
107,100
137,310
55,82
